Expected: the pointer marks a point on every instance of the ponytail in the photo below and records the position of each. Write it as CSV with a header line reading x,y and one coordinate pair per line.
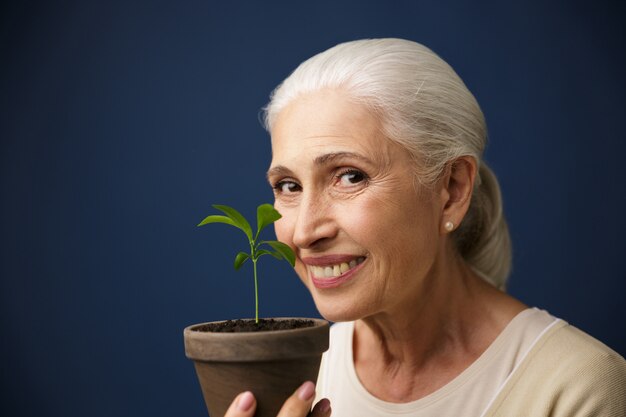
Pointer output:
x,y
483,238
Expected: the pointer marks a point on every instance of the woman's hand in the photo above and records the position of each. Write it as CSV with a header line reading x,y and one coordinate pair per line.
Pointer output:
x,y
298,405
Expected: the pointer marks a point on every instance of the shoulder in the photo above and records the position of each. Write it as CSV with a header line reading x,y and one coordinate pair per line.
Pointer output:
x,y
566,373
575,340
583,358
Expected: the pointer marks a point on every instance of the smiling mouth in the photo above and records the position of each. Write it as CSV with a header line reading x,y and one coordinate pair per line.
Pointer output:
x,y
335,270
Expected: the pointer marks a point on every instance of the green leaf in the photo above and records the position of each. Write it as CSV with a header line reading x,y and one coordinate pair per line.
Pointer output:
x,y
238,220
217,219
262,252
284,250
240,259
266,214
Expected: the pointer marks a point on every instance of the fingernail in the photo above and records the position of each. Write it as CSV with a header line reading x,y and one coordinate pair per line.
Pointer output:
x,y
245,401
306,391
324,405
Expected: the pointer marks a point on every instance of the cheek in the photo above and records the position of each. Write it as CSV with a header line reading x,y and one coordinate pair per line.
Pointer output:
x,y
372,222
397,228
358,218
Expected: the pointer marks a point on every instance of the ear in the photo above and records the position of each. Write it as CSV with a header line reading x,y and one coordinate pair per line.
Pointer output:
x,y
456,192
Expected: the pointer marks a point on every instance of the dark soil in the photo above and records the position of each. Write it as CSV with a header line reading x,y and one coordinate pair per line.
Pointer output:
x,y
239,326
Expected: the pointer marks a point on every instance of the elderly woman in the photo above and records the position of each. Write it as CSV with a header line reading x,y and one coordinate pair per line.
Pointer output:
x,y
400,237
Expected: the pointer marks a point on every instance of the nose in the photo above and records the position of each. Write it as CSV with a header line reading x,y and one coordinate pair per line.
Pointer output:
x,y
315,224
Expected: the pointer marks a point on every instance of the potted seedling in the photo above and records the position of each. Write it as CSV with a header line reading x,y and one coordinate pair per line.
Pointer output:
x,y
269,357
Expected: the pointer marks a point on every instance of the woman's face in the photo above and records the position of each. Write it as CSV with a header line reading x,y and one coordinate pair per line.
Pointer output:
x,y
365,235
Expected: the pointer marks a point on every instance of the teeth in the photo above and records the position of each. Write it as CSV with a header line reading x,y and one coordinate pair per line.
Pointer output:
x,y
336,271
331,271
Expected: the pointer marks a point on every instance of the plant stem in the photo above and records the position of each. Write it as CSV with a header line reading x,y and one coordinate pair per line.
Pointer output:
x,y
256,293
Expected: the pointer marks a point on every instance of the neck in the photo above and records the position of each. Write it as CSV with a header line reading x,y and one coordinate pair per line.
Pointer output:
x,y
433,340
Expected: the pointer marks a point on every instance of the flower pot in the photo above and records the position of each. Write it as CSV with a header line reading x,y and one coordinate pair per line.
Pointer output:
x,y
270,364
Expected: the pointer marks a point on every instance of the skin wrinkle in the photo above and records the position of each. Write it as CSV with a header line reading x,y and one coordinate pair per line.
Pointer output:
x,y
421,313
398,364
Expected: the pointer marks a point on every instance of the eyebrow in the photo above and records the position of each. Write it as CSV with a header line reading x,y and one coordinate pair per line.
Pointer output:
x,y
324,159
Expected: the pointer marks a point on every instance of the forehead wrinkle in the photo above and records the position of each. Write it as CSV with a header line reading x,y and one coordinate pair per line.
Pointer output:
x,y
330,157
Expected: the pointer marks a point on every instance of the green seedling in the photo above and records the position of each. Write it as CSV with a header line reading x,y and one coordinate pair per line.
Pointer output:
x,y
266,214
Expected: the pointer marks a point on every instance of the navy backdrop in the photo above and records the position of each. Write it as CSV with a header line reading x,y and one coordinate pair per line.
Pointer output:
x,y
122,121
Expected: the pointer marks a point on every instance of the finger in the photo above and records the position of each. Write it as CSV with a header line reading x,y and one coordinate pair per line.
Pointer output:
x,y
244,405
299,404
321,409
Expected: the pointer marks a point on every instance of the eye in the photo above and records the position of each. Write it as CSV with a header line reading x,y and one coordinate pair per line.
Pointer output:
x,y
351,177
286,187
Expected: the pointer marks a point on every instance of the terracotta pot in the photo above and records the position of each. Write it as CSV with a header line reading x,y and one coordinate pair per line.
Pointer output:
x,y
270,364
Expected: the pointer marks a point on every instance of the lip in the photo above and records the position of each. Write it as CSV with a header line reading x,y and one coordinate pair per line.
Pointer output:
x,y
324,283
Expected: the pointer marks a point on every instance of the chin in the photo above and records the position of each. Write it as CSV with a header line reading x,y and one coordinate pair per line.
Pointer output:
x,y
336,312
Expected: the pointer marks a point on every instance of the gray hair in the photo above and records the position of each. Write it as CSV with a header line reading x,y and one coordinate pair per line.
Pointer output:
x,y
425,107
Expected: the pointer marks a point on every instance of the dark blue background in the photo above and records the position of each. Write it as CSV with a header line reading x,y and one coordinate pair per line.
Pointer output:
x,y
123,121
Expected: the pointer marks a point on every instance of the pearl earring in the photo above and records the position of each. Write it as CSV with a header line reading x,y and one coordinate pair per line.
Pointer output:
x,y
449,226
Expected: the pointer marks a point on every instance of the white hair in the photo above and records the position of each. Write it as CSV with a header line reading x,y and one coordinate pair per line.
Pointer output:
x,y
425,107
